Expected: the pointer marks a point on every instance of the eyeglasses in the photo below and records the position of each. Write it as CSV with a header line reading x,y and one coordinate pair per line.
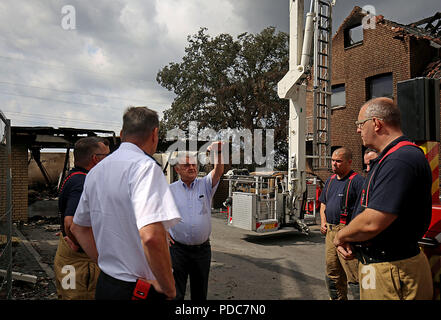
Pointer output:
x,y
360,123
187,166
102,154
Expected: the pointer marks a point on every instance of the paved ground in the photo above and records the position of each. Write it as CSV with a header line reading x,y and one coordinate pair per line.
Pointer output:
x,y
286,265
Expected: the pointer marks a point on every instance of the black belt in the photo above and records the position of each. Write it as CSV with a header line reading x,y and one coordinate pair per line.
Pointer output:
x,y
120,283
370,254
191,246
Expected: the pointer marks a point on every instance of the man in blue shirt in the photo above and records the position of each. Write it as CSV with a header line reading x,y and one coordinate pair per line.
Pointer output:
x,y
338,201
190,244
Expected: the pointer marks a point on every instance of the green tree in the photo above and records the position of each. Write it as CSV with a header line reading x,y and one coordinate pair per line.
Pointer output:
x,y
226,83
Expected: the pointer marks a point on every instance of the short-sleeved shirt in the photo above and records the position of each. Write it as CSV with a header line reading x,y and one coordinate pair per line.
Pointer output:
x,y
401,185
333,193
123,193
70,194
194,204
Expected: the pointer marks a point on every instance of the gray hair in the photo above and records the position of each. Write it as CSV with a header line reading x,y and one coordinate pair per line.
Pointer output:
x,y
385,109
181,158
139,122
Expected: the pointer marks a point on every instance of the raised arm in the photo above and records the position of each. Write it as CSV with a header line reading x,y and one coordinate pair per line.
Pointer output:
x,y
218,170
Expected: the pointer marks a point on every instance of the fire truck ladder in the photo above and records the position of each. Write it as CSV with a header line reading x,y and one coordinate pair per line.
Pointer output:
x,y
322,87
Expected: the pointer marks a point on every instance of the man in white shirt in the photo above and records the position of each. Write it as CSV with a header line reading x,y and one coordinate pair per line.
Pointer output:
x,y
124,211
190,244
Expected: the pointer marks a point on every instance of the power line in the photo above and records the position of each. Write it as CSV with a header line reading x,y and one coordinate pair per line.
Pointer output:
x,y
61,123
56,100
29,122
73,69
45,117
75,92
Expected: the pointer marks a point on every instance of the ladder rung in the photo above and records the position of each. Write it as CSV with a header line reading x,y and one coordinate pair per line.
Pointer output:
x,y
321,79
324,41
323,54
324,3
323,16
324,29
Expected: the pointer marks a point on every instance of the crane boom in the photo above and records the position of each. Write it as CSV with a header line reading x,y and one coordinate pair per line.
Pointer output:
x,y
293,87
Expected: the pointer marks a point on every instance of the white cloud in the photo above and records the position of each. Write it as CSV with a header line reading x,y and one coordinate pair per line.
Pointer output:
x,y
182,18
86,77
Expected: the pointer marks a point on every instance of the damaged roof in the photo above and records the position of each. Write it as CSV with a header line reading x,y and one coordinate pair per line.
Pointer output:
x,y
431,31
433,70
49,137
426,29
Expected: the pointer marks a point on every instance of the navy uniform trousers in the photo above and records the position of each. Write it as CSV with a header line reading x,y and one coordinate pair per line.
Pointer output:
x,y
191,261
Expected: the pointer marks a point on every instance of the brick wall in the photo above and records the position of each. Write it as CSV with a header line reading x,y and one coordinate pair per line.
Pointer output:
x,y
19,168
378,54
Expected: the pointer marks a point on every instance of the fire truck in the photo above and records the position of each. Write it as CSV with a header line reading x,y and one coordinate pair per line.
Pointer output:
x,y
268,201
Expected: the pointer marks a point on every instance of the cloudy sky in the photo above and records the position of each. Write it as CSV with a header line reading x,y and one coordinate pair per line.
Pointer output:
x,y
51,75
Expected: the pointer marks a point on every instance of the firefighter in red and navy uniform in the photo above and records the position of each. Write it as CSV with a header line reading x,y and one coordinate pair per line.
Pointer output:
x,y
87,153
394,213
338,200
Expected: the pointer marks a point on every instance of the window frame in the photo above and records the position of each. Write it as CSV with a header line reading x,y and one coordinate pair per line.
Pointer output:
x,y
348,41
338,106
369,83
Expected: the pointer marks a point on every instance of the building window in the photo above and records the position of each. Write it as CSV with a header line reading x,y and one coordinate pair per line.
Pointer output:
x,y
353,36
380,86
338,98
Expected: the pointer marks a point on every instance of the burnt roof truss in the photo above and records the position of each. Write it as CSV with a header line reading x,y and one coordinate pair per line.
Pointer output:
x,y
432,25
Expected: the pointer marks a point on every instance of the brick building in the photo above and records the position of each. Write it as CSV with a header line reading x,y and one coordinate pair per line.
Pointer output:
x,y
369,63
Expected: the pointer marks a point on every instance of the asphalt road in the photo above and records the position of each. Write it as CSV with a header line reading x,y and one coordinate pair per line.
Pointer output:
x,y
245,266
283,266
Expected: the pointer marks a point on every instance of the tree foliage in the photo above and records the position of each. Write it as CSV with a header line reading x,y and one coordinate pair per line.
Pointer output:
x,y
230,83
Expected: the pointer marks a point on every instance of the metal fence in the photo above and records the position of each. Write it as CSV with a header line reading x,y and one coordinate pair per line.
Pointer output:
x,y
5,209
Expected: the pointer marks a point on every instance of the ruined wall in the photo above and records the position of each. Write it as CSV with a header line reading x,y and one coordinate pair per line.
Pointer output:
x,y
379,53
53,162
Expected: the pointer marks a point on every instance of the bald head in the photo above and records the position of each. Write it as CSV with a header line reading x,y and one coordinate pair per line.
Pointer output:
x,y
341,161
344,152
384,109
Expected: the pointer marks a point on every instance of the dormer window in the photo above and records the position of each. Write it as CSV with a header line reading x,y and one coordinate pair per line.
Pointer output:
x,y
353,35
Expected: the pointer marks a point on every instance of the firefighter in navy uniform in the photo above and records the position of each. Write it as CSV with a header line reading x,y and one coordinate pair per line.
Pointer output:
x,y
338,200
87,153
394,213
